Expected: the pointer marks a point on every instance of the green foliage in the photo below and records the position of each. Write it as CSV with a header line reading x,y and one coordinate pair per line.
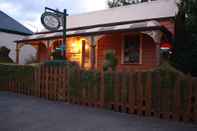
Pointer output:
x,y
185,46
4,55
184,94
83,79
15,72
109,86
166,77
117,3
110,60
57,55
57,63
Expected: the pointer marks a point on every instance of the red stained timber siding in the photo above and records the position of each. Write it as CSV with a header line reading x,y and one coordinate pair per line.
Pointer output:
x,y
114,41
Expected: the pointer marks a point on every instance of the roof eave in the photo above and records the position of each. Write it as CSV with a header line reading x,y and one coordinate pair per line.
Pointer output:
x,y
15,32
94,33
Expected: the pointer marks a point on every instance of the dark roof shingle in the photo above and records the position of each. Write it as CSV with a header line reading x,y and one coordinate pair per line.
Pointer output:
x,y
9,24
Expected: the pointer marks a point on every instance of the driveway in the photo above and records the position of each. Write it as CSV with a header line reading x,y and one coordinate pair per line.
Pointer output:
x,y
24,113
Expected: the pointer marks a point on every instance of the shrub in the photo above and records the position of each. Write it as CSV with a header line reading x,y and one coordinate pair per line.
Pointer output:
x,y
4,55
110,60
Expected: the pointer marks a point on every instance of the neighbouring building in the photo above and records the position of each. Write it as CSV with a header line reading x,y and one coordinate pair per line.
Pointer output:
x,y
134,32
10,31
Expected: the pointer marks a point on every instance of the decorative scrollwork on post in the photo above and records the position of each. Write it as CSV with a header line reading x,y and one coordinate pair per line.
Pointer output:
x,y
155,35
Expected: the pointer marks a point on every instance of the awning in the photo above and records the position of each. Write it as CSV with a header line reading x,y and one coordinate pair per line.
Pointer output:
x,y
139,26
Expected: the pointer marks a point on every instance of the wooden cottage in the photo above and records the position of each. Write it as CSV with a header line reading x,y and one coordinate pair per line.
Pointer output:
x,y
134,32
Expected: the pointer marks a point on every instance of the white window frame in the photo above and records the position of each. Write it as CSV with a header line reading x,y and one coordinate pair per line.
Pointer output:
x,y
123,44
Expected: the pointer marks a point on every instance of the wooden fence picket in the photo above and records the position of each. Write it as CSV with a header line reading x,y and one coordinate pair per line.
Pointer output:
x,y
132,92
102,90
148,102
190,110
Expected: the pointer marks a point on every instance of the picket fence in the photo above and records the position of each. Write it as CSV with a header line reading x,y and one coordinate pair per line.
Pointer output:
x,y
130,92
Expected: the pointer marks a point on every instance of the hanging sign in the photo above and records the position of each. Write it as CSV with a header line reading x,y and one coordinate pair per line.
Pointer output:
x,y
50,21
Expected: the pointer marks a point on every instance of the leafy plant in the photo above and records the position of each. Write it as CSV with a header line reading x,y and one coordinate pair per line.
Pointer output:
x,y
57,55
110,60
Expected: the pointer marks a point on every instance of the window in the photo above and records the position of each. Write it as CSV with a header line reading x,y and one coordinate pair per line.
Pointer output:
x,y
131,49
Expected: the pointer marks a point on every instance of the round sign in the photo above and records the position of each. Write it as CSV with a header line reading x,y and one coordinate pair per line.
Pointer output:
x,y
50,21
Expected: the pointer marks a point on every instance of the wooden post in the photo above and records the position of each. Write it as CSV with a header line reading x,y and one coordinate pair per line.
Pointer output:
x,y
17,53
83,54
102,90
158,78
177,98
139,92
195,98
46,82
48,46
64,80
157,54
93,52
190,109
149,94
55,83
131,93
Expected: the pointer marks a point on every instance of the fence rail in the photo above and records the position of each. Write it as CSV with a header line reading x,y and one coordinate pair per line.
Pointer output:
x,y
159,94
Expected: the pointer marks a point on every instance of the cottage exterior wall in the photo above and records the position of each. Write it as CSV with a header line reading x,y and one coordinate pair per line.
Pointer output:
x,y
115,42
7,39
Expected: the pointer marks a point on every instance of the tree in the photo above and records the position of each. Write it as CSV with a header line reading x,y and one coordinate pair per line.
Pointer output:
x,y
4,55
117,3
185,47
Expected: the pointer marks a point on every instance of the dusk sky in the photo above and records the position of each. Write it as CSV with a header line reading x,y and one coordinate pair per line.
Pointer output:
x,y
28,12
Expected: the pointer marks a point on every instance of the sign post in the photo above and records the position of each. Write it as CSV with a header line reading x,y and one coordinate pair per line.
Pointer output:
x,y
64,31
52,20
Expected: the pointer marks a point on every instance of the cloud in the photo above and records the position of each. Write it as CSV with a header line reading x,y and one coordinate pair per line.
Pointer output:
x,y
28,12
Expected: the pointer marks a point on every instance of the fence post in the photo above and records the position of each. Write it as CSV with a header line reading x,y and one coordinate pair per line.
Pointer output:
x,y
195,99
102,90
158,78
67,85
41,80
37,80
149,94
190,109
131,93
139,93
177,98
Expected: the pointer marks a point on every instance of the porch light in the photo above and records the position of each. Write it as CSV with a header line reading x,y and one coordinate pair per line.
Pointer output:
x,y
75,48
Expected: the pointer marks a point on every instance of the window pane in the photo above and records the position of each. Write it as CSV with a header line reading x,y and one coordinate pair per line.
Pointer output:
x,y
131,49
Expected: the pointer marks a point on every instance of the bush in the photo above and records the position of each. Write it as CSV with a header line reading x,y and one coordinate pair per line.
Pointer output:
x,y
4,55
110,60
15,72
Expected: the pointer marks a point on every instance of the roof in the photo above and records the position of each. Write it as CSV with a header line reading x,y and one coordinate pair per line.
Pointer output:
x,y
8,24
140,26
137,12
132,17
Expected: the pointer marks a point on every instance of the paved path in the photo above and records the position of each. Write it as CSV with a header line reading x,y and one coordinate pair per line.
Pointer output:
x,y
23,113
